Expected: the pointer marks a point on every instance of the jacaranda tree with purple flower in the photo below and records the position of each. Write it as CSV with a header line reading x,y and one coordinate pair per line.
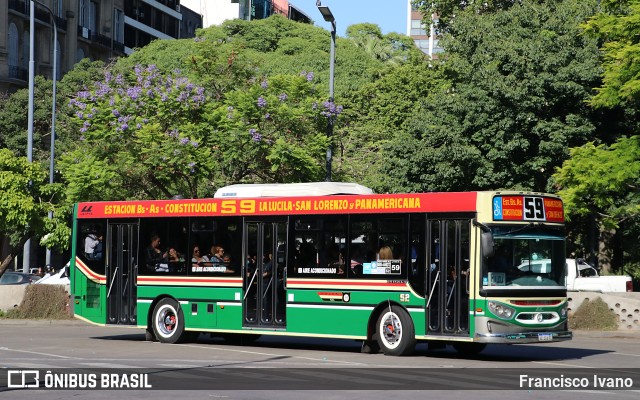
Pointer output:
x,y
141,136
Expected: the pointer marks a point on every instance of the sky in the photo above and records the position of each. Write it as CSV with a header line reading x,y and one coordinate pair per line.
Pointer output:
x,y
389,15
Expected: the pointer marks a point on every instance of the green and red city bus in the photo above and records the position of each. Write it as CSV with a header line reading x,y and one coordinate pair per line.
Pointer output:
x,y
389,270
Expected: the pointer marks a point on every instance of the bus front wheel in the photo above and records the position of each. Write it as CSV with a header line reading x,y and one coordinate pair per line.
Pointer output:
x,y
396,333
167,321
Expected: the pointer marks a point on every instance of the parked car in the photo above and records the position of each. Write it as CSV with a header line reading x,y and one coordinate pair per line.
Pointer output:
x,y
15,278
583,277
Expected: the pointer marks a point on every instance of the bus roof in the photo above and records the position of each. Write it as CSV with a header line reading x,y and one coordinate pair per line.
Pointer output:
x,y
291,190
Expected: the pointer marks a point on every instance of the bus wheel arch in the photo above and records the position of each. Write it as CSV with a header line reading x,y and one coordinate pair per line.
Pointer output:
x,y
166,320
393,329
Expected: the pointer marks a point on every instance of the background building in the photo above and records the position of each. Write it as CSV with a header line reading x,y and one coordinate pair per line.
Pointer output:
x,y
215,12
425,37
94,29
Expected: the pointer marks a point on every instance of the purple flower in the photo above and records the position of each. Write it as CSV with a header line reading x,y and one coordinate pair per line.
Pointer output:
x,y
267,116
264,84
229,108
134,92
283,97
255,135
194,143
184,141
79,114
191,164
261,102
309,76
115,112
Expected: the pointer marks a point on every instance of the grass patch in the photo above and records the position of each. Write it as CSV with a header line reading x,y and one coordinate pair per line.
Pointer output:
x,y
594,316
42,302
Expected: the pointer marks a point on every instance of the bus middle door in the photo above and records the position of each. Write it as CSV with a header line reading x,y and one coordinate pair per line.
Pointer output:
x,y
264,281
122,250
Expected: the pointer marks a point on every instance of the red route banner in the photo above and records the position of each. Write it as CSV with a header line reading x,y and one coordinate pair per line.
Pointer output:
x,y
554,210
512,207
360,204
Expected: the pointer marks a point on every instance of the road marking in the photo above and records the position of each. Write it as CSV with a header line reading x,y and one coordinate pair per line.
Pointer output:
x,y
36,352
561,364
630,355
108,365
324,360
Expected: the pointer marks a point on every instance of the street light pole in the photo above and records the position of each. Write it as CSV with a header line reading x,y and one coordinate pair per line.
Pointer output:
x,y
53,108
328,16
26,252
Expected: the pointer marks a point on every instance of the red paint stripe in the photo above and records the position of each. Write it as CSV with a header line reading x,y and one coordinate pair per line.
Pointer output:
x,y
190,280
87,271
345,283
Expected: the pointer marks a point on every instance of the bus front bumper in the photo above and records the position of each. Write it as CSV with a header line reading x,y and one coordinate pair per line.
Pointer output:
x,y
524,337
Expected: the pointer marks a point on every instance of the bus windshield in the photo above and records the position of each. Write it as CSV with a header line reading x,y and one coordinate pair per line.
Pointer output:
x,y
525,257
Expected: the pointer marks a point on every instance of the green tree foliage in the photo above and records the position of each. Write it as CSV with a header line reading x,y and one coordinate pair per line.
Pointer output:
x,y
446,10
26,199
517,101
604,180
381,112
618,26
14,118
600,181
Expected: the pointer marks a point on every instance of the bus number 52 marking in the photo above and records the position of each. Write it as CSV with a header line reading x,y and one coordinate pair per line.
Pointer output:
x,y
533,208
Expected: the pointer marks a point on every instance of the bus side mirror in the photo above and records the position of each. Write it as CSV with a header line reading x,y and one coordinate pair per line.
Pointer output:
x,y
486,243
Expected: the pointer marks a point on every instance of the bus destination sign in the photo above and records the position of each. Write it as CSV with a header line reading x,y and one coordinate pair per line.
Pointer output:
x,y
278,206
527,208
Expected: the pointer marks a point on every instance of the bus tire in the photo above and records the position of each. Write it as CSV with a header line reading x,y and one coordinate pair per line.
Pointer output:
x,y
468,348
167,321
395,332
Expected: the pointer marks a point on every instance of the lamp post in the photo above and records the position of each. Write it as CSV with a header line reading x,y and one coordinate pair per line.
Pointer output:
x,y
27,250
53,111
26,253
328,16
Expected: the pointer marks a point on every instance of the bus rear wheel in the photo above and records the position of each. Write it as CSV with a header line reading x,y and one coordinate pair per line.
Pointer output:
x,y
167,321
396,333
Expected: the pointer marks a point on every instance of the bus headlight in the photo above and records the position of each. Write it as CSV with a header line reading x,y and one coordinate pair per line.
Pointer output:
x,y
501,310
563,310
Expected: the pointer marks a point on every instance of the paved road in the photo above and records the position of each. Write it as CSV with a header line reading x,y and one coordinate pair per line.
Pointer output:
x,y
73,344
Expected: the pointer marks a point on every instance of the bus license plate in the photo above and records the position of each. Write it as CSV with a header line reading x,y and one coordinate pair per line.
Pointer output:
x,y
545,337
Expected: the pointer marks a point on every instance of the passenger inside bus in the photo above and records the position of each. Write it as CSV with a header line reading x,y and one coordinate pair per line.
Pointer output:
x,y
357,259
196,258
385,253
155,259
335,259
217,254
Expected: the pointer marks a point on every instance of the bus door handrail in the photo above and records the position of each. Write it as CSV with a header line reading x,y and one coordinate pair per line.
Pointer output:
x,y
113,277
433,288
250,283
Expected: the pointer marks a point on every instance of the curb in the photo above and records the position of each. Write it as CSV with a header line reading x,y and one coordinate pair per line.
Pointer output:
x,y
42,322
630,334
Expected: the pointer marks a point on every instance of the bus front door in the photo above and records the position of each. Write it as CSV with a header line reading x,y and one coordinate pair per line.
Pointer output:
x,y
447,293
122,265
264,281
